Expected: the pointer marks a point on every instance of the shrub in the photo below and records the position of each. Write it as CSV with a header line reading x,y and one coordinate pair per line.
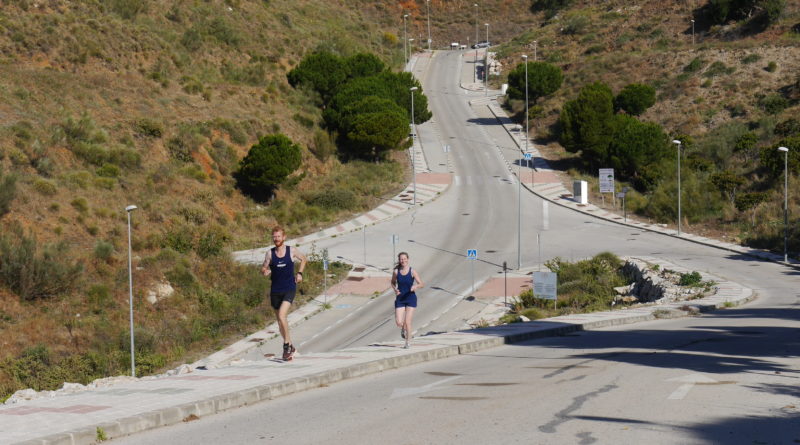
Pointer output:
x,y
80,204
690,279
44,187
694,66
32,272
108,171
194,171
543,79
103,250
180,239
718,69
212,242
149,128
8,191
335,199
771,67
267,165
635,99
773,103
751,58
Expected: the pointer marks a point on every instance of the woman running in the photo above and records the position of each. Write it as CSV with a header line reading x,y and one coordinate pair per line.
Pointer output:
x,y
405,281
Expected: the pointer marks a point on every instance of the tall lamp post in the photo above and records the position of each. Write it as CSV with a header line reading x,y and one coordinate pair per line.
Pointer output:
x,y
785,151
534,50
413,142
486,64
692,32
428,4
519,175
405,39
678,143
129,209
475,64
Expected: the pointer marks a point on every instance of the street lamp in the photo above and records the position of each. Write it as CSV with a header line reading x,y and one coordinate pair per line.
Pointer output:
x,y
413,141
129,209
486,64
475,63
405,39
534,50
692,32
678,143
519,175
428,4
785,151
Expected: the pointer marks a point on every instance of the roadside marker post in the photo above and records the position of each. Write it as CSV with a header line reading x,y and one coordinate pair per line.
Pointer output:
x,y
472,254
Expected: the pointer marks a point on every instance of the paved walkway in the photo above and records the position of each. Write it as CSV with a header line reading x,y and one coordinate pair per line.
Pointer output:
x,y
121,406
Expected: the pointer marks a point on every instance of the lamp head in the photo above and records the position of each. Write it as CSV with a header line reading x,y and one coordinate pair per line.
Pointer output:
x,y
783,149
413,89
524,56
675,141
130,208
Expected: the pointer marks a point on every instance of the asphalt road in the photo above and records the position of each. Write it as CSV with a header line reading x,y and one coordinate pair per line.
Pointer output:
x,y
726,377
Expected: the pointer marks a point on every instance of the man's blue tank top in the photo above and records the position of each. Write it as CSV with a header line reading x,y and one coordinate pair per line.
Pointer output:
x,y
404,283
282,271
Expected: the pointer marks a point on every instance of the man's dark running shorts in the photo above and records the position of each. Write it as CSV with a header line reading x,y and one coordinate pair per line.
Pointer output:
x,y
276,298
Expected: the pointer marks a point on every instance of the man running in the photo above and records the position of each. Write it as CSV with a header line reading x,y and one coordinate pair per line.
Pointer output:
x,y
279,262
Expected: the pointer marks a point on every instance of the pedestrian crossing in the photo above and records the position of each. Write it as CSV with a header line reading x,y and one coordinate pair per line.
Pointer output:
x,y
483,180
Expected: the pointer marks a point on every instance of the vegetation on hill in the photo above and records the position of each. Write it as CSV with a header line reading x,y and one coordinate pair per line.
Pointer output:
x,y
721,76
106,104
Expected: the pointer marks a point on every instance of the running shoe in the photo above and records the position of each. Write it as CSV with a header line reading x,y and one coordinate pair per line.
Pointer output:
x,y
406,346
288,351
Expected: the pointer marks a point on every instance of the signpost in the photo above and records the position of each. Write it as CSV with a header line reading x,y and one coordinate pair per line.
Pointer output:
x,y
545,286
472,254
622,195
607,183
394,240
325,281
528,158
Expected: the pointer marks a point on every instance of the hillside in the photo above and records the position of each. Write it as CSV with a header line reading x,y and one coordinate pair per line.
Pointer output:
x,y
105,104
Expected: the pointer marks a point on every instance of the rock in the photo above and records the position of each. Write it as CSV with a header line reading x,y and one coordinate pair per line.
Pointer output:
x,y
72,387
623,290
159,292
523,318
21,395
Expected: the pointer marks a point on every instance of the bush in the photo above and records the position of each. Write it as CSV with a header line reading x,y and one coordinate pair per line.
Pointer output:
x,y
335,199
267,165
8,191
34,273
149,128
635,99
773,103
212,242
108,171
180,239
543,79
690,279
103,250
44,187
771,67
694,66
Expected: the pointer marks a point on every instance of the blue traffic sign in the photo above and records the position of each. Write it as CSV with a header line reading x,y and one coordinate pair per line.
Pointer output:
x,y
472,254
528,156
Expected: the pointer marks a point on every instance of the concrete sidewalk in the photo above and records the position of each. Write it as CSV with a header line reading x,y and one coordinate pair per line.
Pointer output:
x,y
85,415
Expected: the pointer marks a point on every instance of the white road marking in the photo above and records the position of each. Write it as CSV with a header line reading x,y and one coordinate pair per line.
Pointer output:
x,y
404,392
688,382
